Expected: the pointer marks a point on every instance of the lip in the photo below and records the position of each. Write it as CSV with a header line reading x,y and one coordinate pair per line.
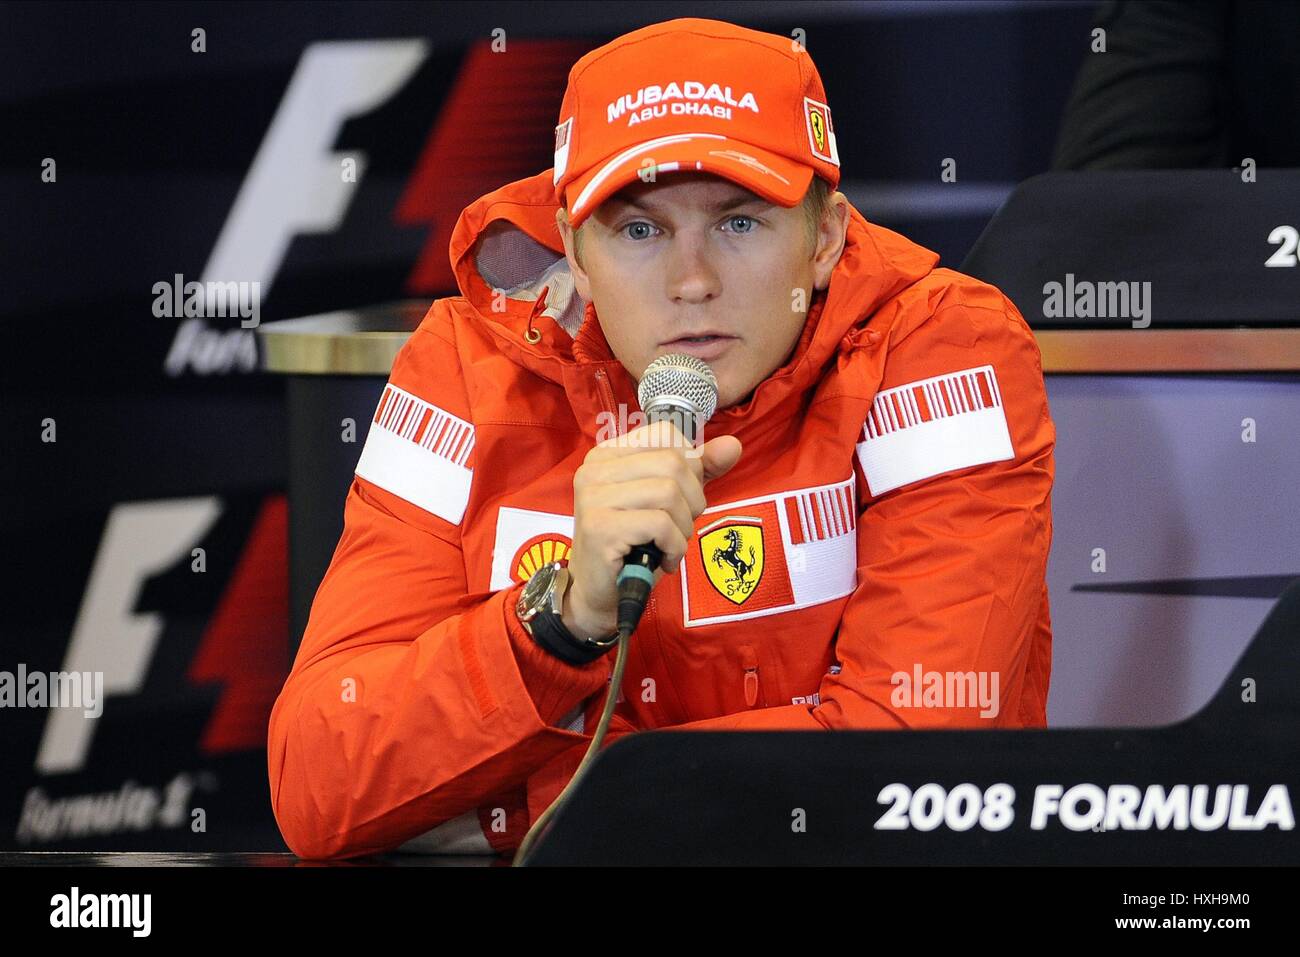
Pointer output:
x,y
701,350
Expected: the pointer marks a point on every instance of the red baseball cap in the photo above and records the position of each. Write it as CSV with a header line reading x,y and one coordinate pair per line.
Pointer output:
x,y
693,94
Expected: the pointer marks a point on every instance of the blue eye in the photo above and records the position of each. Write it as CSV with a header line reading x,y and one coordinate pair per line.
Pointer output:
x,y
748,219
639,222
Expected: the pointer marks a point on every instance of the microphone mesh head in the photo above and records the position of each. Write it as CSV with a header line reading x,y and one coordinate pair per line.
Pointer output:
x,y
676,376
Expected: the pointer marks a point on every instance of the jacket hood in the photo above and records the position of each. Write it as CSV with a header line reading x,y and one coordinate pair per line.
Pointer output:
x,y
509,263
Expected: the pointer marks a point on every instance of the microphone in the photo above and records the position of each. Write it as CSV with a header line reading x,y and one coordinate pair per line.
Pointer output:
x,y
681,389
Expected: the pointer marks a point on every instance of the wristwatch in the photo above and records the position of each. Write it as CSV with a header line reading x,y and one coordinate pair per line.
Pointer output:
x,y
539,610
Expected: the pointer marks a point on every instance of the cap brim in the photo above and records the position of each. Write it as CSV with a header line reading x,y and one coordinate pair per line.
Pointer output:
x,y
774,177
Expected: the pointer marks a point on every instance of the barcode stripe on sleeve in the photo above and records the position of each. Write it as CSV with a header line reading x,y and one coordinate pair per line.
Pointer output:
x,y
408,453
963,424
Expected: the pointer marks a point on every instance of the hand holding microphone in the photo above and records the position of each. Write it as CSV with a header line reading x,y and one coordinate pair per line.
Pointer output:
x,y
636,497
635,501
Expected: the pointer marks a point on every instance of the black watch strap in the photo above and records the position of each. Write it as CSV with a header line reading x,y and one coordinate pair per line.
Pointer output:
x,y
550,633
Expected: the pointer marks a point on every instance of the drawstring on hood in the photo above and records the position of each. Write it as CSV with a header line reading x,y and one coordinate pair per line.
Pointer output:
x,y
533,336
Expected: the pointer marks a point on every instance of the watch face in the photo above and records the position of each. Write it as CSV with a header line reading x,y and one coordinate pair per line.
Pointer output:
x,y
537,587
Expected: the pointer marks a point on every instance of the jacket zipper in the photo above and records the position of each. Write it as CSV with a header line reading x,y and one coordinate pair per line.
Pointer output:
x,y
606,390
750,661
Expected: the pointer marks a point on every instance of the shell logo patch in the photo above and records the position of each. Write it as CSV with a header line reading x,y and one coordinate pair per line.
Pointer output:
x,y
525,541
538,551
732,555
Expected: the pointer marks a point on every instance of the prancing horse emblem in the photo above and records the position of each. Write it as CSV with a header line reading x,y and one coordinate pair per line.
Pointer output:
x,y
733,557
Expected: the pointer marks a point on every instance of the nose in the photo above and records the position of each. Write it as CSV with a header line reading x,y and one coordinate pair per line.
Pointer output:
x,y
692,274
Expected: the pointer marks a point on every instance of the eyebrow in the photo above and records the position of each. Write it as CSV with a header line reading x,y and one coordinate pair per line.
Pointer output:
x,y
721,206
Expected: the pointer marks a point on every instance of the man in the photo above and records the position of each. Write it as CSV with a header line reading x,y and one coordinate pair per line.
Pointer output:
x,y
871,506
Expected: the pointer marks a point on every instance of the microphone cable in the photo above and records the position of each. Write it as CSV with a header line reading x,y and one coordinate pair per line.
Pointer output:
x,y
615,683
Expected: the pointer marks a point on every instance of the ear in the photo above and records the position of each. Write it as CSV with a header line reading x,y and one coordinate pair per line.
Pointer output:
x,y
831,236
581,282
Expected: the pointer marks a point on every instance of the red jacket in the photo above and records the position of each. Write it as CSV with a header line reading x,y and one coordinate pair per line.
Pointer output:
x,y
887,525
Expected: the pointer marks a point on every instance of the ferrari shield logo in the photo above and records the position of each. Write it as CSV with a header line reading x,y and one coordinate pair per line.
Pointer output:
x,y
818,130
732,555
821,130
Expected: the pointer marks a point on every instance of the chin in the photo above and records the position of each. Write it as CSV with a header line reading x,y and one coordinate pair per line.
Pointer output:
x,y
728,398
